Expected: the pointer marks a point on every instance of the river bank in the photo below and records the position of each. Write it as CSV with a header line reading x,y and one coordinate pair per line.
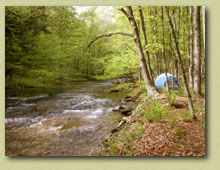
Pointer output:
x,y
156,128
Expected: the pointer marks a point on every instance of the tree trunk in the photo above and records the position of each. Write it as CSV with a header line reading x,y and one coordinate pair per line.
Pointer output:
x,y
191,60
177,53
178,26
151,90
163,50
203,20
177,40
139,74
158,64
197,52
145,43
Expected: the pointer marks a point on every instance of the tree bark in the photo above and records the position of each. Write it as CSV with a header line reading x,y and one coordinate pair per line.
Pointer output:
x,y
177,53
191,60
203,20
158,64
163,50
197,52
177,40
151,90
145,43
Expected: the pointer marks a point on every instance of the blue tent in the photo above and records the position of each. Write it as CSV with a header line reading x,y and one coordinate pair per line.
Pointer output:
x,y
172,81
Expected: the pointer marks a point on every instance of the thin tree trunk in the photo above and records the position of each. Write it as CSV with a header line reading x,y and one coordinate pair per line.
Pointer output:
x,y
151,90
177,53
155,32
145,43
203,19
177,40
191,62
163,51
184,30
178,26
188,36
158,64
139,74
197,52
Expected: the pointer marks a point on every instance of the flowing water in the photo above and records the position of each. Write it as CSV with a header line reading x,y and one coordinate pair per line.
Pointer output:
x,y
59,122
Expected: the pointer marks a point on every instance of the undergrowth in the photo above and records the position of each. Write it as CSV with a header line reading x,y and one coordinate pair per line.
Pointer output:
x,y
171,96
154,111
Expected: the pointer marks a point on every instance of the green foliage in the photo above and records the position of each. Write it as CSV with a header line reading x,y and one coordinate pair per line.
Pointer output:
x,y
129,136
51,40
122,86
45,43
127,152
176,145
140,130
203,88
155,111
186,115
178,131
172,119
136,131
141,89
113,146
170,97
119,66
198,107
180,91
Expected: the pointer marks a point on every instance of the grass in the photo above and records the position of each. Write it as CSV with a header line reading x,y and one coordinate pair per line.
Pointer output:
x,y
140,90
113,146
155,111
122,86
136,131
39,78
186,115
170,97
178,131
176,145
198,107
27,82
172,119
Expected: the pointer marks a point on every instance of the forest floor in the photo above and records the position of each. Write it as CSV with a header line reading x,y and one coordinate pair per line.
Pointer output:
x,y
158,128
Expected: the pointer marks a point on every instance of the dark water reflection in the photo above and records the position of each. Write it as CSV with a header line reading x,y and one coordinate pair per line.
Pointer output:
x,y
59,122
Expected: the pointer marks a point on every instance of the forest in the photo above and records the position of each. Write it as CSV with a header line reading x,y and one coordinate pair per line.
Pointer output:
x,y
56,47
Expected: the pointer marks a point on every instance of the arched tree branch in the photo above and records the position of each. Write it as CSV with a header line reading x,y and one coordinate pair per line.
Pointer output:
x,y
102,36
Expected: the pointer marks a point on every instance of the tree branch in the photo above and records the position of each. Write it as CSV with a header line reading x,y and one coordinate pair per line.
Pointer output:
x,y
125,12
102,36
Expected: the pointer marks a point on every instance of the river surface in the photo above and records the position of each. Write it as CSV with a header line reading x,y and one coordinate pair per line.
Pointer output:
x,y
61,121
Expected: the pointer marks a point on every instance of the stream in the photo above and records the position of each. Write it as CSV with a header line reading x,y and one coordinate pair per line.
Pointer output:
x,y
60,121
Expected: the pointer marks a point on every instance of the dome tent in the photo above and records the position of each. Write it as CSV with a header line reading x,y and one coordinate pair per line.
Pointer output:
x,y
172,81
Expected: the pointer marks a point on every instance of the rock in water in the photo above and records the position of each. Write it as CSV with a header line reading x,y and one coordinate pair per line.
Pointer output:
x,y
126,111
